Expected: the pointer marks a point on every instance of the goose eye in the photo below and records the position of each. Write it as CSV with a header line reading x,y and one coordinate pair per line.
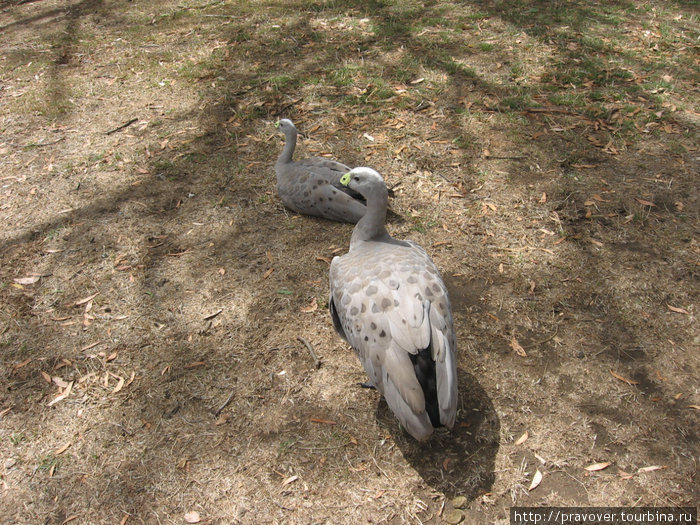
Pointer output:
x,y
357,178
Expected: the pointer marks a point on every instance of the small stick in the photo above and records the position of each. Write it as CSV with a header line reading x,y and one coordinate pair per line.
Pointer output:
x,y
317,361
226,403
119,128
211,316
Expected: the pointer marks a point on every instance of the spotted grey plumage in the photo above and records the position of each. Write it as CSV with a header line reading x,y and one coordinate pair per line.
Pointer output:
x,y
388,301
312,186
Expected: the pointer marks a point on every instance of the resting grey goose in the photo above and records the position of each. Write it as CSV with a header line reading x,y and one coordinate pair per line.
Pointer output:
x,y
312,186
388,301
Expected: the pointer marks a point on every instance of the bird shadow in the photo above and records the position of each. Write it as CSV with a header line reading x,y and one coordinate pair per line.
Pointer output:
x,y
459,462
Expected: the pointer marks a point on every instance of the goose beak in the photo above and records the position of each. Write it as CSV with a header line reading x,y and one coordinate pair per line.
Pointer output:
x,y
345,179
277,124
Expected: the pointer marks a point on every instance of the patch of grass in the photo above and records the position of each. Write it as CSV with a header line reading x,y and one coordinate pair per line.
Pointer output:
x,y
49,461
345,76
17,437
285,447
517,102
486,46
575,99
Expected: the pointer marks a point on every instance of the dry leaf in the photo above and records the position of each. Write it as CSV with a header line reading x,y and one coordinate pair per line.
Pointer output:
x,y
645,203
23,363
324,259
64,395
696,407
290,479
124,519
88,347
27,280
312,307
324,421
46,377
678,310
543,199
522,439
120,385
192,517
536,480
194,364
222,271
622,378
86,299
651,468
59,382
61,450
597,466
516,346
268,273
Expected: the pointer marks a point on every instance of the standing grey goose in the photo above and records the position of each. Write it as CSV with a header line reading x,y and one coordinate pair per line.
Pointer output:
x,y
312,186
388,301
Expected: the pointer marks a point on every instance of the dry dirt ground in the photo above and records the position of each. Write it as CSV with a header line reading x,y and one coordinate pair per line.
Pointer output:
x,y
154,293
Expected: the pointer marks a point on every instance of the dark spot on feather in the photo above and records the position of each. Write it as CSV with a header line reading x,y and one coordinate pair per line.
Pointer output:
x,y
412,279
366,338
375,308
396,302
363,308
382,334
386,303
354,310
373,326
436,288
371,290
428,291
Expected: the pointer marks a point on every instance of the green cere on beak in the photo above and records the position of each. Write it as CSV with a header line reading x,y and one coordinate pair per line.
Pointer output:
x,y
345,179
277,124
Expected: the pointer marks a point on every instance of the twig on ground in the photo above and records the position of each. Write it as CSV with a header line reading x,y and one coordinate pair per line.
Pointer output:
x,y
317,361
226,403
211,316
556,331
119,128
284,108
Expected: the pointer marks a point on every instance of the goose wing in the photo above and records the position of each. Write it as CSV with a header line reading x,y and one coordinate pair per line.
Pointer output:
x,y
389,302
